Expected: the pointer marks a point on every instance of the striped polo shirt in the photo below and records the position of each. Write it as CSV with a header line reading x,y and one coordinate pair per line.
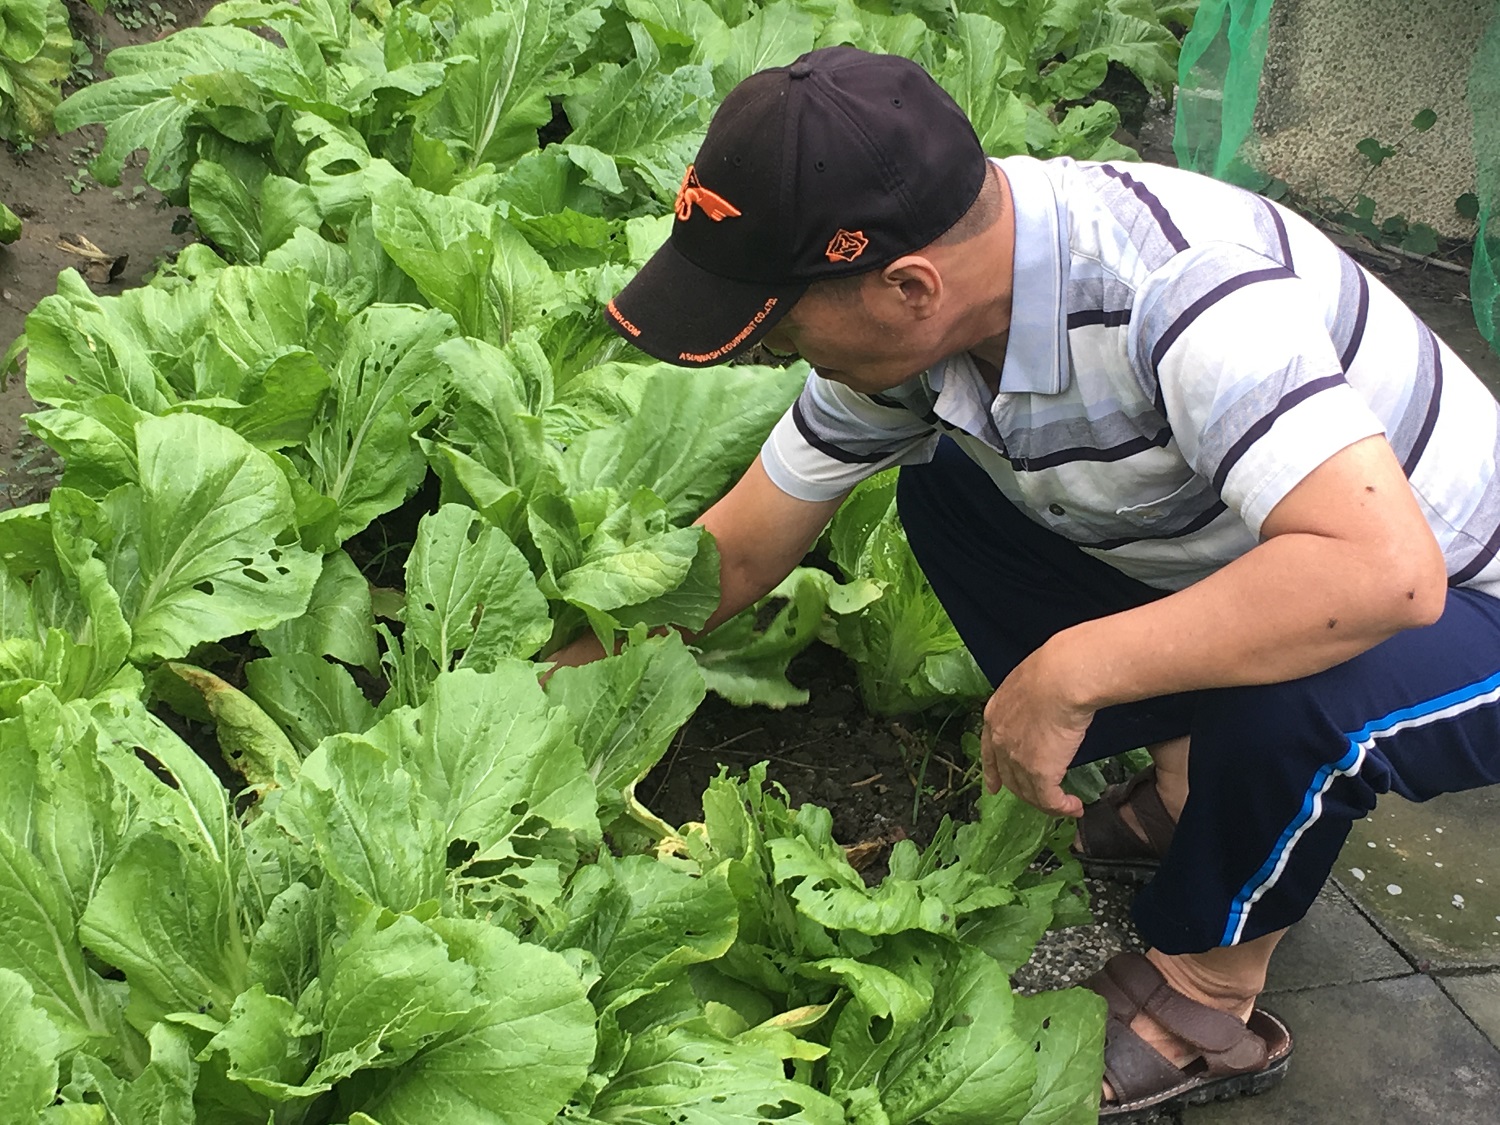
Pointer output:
x,y
1181,354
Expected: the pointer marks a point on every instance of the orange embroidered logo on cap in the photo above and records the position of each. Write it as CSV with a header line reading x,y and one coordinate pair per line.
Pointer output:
x,y
715,206
847,245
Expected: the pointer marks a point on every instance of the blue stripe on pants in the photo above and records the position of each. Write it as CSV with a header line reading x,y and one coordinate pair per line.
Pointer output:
x,y
1273,789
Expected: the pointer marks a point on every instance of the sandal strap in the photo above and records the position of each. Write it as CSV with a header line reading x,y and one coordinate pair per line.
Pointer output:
x,y
1103,833
1145,801
1134,1068
1131,984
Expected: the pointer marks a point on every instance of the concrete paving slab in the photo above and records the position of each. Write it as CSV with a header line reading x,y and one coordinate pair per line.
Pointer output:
x,y
1479,997
1429,875
1334,944
1391,1052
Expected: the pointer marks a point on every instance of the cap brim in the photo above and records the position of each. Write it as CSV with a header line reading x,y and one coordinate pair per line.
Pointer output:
x,y
678,312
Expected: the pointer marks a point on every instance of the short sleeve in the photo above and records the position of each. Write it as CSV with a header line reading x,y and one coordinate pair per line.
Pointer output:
x,y
832,438
1234,348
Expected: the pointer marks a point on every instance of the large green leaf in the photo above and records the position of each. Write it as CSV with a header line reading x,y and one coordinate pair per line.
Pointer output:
x,y
338,622
384,388
633,560
1067,1028
168,916
494,759
79,815
469,591
162,1093
389,991
981,70
310,698
494,100
646,922
256,315
694,1077
145,107
36,54
269,1048
28,1050
465,258
745,661
214,535
501,394
80,346
23,27
626,708
893,639
514,1059
774,36
643,116
930,1027
1130,32
376,833
38,942
694,432
78,640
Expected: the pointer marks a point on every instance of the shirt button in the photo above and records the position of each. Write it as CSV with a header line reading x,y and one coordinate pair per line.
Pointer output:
x,y
1057,509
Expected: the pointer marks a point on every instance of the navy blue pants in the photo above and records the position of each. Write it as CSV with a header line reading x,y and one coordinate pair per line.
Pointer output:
x,y
1277,773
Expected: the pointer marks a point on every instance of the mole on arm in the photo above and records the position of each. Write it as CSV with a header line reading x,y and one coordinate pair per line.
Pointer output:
x,y
1369,488
1332,621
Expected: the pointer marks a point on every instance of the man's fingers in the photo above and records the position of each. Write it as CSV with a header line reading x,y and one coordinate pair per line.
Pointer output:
x,y
1060,803
991,766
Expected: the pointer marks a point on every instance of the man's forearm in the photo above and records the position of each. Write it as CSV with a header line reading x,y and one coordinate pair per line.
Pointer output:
x,y
1296,605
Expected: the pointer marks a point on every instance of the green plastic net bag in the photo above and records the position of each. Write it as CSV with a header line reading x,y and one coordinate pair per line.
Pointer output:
x,y
1484,102
1219,76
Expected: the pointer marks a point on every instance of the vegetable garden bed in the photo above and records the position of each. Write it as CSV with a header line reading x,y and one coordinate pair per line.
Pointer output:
x,y
335,479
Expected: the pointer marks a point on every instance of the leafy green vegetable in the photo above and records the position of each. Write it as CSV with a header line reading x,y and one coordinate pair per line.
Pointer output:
x,y
440,898
10,224
907,652
36,54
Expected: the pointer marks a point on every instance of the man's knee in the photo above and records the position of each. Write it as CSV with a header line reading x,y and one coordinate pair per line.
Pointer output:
x,y
1246,725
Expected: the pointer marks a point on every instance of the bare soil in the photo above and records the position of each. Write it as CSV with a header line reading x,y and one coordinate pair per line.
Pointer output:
x,y
49,187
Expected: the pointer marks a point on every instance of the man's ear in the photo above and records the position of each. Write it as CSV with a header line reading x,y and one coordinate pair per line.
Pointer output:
x,y
914,284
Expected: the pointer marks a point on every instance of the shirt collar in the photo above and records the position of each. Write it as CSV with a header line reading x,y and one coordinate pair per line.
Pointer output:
x,y
1036,353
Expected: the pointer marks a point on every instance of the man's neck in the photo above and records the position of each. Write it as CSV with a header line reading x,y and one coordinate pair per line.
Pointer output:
x,y
988,368
989,353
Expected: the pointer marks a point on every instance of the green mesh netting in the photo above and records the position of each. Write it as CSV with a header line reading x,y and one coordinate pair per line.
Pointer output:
x,y
1219,87
1218,76
1484,102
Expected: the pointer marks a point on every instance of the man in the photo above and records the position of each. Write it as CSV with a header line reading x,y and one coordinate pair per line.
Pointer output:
x,y
1183,475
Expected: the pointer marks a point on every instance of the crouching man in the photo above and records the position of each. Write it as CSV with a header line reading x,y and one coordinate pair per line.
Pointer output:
x,y
1183,474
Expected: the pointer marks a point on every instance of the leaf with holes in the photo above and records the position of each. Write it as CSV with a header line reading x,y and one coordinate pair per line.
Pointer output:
x,y
384,389
470,599
502,773
206,543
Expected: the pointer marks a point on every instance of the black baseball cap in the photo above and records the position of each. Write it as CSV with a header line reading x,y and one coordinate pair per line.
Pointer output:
x,y
835,165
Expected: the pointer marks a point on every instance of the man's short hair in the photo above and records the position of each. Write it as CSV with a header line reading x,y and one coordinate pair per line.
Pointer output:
x,y
982,214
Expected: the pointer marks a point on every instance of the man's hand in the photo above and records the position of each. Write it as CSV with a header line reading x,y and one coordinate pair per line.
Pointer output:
x,y
1031,732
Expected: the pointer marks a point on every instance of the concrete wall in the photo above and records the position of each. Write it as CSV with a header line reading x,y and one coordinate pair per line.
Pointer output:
x,y
1338,71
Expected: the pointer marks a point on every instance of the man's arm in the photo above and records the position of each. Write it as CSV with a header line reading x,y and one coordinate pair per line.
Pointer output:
x,y
761,533
1347,560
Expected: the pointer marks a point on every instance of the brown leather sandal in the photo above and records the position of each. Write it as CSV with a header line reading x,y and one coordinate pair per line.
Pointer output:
x,y
1109,848
1235,1060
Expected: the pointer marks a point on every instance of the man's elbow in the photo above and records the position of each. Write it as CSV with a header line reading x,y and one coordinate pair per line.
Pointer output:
x,y
1418,580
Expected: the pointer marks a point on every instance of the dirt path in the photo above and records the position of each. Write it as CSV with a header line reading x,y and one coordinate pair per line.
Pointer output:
x,y
49,187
